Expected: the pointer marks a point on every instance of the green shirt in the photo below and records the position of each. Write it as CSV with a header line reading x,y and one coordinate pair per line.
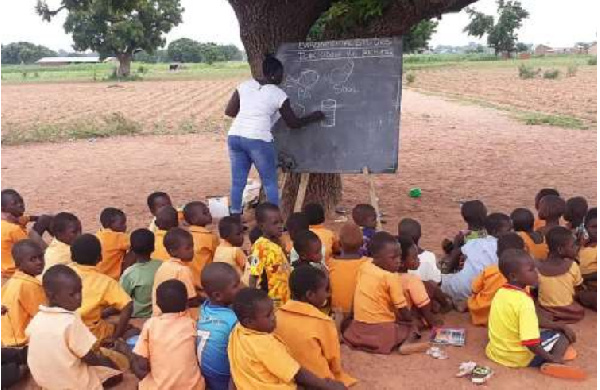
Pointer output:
x,y
138,281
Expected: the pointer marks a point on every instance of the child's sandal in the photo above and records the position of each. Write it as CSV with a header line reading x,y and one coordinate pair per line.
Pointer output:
x,y
570,354
563,371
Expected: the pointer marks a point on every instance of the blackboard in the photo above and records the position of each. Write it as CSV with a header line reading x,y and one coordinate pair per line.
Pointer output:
x,y
358,85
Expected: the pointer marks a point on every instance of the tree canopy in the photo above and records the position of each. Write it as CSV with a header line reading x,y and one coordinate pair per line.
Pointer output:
x,y
419,36
24,53
189,50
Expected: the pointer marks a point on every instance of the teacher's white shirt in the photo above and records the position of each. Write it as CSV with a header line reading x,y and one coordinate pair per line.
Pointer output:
x,y
259,110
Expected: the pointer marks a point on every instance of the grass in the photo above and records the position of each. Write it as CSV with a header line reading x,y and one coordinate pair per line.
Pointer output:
x,y
566,121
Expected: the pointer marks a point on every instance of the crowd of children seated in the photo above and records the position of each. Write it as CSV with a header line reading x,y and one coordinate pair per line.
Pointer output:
x,y
216,317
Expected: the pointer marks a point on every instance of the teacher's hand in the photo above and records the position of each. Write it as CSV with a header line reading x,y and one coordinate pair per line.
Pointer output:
x,y
317,116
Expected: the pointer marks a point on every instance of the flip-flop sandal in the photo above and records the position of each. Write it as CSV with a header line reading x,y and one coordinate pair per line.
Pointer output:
x,y
570,354
407,349
563,371
481,374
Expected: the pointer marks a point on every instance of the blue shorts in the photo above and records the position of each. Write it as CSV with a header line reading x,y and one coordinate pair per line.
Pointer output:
x,y
548,339
217,382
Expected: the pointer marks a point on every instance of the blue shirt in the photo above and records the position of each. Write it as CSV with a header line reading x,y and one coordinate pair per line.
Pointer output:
x,y
214,326
368,233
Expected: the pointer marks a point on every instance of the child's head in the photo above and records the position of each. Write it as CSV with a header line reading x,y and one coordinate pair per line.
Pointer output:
x,y
351,238
254,310
268,218
509,241
231,230
474,213
544,192
522,220
590,224
86,250
410,227
296,223
179,244
308,246
561,242
28,256
63,287
552,207
113,219
167,218
172,296
315,213
142,242
221,282
12,203
254,235
386,251
498,224
197,214
309,284
65,227
518,268
364,215
409,258
158,200
575,210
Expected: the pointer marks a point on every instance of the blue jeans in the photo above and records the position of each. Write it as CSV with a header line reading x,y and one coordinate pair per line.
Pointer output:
x,y
243,152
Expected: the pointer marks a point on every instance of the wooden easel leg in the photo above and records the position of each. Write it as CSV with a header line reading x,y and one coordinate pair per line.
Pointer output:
x,y
301,191
373,196
284,177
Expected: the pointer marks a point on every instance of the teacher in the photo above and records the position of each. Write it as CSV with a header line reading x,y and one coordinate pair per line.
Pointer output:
x,y
256,106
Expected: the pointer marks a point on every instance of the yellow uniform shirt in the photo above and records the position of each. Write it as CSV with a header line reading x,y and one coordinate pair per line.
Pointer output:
x,y
329,240
484,288
11,233
414,291
268,257
57,253
231,255
160,252
260,361
22,295
342,279
559,290
205,245
317,346
588,260
513,324
537,251
114,247
174,269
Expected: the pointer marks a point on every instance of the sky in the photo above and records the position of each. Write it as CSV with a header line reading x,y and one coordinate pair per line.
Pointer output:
x,y
552,22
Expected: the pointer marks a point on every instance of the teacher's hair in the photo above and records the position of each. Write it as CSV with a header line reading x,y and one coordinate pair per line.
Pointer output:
x,y
271,65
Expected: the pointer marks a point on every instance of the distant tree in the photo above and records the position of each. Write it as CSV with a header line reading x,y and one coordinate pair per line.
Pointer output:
x,y
24,52
232,53
501,33
419,36
184,50
522,47
117,28
156,57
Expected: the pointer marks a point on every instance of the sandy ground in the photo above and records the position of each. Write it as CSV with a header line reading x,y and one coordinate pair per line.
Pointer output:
x,y
452,151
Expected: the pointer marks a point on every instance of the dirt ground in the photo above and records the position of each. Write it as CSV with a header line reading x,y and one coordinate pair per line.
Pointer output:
x,y
451,151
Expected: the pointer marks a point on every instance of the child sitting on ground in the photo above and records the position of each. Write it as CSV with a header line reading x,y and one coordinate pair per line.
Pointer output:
x,y
164,356
490,281
155,202
317,346
230,248
588,256
61,348
535,242
65,228
296,224
552,208
23,294
382,321
428,269
268,264
258,358
560,278
365,216
575,210
197,216
166,219
539,222
479,253
309,249
116,256
221,283
514,333
138,280
316,218
180,247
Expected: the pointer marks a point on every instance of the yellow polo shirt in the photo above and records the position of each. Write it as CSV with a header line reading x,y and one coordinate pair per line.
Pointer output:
x,y
11,233
205,245
114,248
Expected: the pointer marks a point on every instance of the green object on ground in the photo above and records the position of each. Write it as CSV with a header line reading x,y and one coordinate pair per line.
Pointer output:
x,y
415,192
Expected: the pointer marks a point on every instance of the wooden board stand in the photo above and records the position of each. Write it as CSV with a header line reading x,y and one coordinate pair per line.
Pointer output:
x,y
373,196
301,191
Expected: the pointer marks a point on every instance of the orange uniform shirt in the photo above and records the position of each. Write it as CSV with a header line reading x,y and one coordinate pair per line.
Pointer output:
x,y
114,247
537,251
231,255
22,295
329,240
317,346
484,287
342,279
160,252
414,291
174,269
11,233
205,245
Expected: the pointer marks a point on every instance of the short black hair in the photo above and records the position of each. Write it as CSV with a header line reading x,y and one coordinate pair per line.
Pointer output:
x,y
171,296
494,221
262,210
255,234
406,242
5,194
61,221
153,196
591,215
109,215
297,222
22,245
361,212
245,303
271,65
545,192
557,238
379,241
142,241
575,210
190,209
509,241
510,261
167,218
175,237
522,219
552,207
303,240
217,276
474,213
54,276
227,226
304,279
315,213
86,250
410,227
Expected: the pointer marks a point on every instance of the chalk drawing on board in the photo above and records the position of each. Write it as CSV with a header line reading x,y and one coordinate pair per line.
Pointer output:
x,y
328,107
340,75
298,109
307,79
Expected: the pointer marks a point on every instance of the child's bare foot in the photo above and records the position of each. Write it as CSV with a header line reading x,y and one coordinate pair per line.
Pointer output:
x,y
562,371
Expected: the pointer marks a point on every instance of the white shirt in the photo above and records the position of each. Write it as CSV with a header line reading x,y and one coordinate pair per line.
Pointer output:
x,y
428,269
259,110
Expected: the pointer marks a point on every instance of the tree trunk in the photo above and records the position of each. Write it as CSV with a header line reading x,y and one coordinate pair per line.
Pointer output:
x,y
124,69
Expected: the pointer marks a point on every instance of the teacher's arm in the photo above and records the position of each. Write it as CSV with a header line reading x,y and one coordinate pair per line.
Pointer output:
x,y
294,122
233,107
